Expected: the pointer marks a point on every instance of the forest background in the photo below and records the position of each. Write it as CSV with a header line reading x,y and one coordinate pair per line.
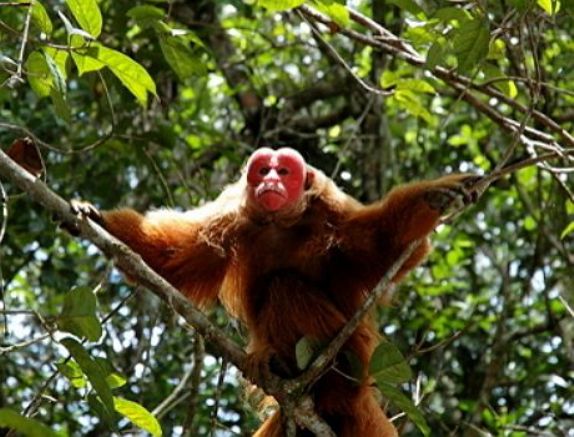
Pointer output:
x,y
158,103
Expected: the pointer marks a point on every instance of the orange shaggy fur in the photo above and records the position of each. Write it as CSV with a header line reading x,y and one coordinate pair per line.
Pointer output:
x,y
292,275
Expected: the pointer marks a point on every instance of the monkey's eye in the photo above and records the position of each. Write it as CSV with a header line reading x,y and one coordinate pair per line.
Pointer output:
x,y
263,171
283,171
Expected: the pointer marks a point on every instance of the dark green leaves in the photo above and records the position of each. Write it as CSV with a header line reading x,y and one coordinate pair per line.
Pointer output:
x,y
305,351
180,56
405,404
79,314
470,44
24,425
94,372
389,367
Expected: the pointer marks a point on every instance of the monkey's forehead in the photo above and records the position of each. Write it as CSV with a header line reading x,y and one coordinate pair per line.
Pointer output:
x,y
273,156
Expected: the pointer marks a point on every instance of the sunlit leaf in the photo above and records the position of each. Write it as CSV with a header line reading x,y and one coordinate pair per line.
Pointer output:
x,y
494,74
38,74
113,378
529,223
412,104
337,12
280,5
416,85
549,6
87,14
569,230
138,415
129,72
71,370
40,18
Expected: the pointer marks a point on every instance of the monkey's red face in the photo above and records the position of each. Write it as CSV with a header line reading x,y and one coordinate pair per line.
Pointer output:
x,y
276,178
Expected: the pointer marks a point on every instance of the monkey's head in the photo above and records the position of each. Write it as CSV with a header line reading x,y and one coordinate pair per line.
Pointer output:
x,y
277,179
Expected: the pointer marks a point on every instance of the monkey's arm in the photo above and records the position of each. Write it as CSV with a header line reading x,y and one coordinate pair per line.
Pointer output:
x,y
380,232
174,245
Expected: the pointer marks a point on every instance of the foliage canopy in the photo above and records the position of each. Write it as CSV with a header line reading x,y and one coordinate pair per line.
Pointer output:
x,y
158,103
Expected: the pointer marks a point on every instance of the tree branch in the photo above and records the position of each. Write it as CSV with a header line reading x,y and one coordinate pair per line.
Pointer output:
x,y
131,263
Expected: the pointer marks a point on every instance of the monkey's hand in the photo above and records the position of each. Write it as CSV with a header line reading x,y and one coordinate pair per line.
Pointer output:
x,y
449,191
264,363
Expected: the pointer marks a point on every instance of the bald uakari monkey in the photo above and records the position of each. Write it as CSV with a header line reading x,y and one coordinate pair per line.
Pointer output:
x,y
292,256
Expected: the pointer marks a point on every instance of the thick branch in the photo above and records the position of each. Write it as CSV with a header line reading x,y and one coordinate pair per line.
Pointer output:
x,y
131,263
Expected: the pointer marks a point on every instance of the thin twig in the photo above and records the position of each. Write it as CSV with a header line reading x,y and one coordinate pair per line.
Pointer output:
x,y
332,52
24,42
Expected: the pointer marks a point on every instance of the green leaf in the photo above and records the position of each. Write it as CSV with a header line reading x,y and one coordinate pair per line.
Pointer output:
x,y
181,58
506,86
93,371
60,57
337,12
416,86
305,350
471,44
409,6
113,378
59,82
60,106
569,230
86,62
24,425
71,370
138,415
40,18
38,74
105,415
146,15
388,364
452,14
549,6
405,404
79,314
87,14
129,72
412,104
280,5
435,54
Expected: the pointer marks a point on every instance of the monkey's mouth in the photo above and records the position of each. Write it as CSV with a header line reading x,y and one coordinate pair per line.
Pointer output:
x,y
265,189
272,197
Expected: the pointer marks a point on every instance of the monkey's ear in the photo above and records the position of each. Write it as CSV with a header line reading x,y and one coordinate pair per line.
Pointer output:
x,y
310,178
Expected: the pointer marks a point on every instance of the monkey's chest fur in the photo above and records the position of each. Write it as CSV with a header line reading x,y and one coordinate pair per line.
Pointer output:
x,y
281,278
